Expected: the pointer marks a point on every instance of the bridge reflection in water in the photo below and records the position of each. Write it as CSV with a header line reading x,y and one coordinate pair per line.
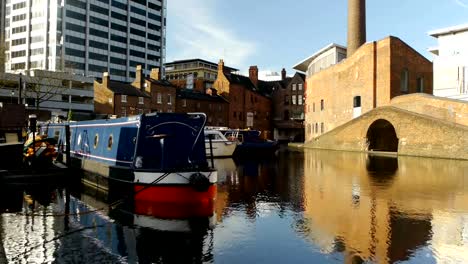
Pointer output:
x,y
386,209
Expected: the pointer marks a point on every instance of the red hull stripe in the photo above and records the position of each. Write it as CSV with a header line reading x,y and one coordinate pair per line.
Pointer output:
x,y
174,201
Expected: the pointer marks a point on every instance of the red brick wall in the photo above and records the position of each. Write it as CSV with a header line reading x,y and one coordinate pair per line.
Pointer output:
x,y
216,112
165,106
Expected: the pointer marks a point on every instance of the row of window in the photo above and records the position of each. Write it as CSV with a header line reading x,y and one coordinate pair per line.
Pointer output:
x,y
141,100
314,128
295,99
404,82
322,106
16,30
297,86
19,5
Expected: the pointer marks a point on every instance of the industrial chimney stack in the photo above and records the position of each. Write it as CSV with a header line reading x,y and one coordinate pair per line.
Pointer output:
x,y
356,25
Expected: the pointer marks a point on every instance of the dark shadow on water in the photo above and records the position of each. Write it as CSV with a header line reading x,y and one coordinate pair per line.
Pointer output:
x,y
381,169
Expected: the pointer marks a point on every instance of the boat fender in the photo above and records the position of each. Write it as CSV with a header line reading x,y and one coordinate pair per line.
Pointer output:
x,y
199,182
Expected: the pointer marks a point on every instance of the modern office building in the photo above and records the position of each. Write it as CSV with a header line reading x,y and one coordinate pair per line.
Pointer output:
x,y
86,37
196,74
451,62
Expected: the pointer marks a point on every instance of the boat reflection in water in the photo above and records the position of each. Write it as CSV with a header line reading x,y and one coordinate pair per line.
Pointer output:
x,y
151,232
386,209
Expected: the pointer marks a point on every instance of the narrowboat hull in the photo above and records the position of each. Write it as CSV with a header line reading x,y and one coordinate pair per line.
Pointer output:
x,y
153,158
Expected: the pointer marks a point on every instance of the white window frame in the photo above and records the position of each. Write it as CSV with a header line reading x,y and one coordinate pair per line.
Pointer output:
x,y
141,100
294,87
293,99
159,98
300,87
123,98
169,99
300,100
184,103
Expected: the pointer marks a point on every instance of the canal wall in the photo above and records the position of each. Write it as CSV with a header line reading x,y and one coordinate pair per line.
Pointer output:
x,y
417,134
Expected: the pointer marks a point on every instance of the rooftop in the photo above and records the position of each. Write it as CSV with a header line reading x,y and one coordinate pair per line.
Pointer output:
x,y
304,64
448,30
172,63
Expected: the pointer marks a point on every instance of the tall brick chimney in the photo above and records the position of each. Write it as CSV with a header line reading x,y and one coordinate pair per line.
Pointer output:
x,y
356,25
253,75
155,74
283,74
139,78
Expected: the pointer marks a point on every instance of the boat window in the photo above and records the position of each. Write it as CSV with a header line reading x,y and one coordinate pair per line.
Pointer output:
x,y
56,134
110,142
96,140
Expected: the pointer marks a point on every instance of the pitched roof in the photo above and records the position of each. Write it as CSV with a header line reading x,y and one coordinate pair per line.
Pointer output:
x,y
163,82
191,94
126,89
263,88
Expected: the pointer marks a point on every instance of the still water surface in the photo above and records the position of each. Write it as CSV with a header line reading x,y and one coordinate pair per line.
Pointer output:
x,y
303,207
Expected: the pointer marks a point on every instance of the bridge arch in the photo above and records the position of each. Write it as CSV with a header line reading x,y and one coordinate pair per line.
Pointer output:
x,y
381,136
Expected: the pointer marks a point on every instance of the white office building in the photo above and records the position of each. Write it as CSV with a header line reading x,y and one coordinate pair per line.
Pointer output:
x,y
87,37
451,62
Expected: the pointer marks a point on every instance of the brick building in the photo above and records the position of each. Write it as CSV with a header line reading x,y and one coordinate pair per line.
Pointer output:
x,y
161,92
249,99
119,98
369,78
193,74
288,107
214,106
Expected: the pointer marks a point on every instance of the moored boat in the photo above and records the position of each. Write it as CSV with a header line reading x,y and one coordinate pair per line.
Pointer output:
x,y
157,157
250,143
219,146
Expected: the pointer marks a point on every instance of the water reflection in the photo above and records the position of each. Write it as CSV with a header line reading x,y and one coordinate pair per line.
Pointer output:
x,y
385,209
301,207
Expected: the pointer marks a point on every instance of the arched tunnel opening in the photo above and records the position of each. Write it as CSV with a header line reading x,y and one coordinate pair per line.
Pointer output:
x,y
381,136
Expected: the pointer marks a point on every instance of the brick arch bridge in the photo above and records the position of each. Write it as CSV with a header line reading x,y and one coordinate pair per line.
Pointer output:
x,y
416,134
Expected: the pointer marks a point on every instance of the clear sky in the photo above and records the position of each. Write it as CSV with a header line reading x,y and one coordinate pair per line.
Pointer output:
x,y
273,34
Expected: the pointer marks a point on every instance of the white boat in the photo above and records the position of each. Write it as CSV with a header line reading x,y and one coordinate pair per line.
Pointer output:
x,y
221,146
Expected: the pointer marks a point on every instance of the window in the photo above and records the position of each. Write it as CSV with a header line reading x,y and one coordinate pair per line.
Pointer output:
x,y
17,42
16,30
299,86
96,140
322,105
123,111
35,39
420,84
286,99
404,81
141,100
316,127
322,128
124,98
19,17
159,98
313,107
16,54
294,87
99,9
184,103
118,16
357,101
300,100
293,99
19,5
110,141
18,66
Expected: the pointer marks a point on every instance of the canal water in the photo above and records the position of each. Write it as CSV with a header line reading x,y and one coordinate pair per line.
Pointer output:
x,y
301,207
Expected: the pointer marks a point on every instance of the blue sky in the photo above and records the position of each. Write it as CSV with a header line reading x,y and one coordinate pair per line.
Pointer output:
x,y
273,34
